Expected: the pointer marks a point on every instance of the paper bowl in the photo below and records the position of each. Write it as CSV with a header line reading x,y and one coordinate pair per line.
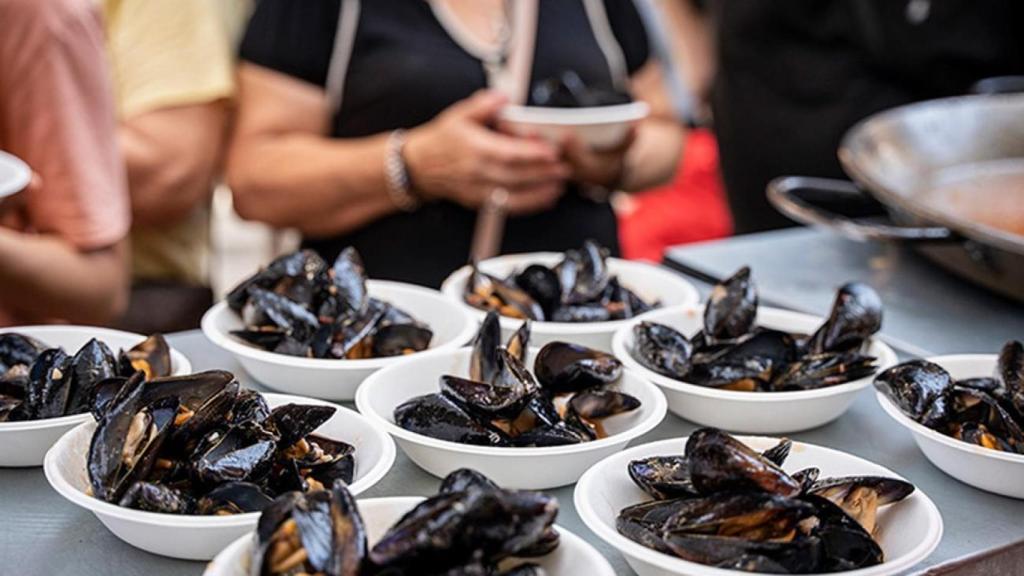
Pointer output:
x,y
338,379
908,531
599,127
15,175
651,282
573,555
990,470
202,537
751,412
25,443
522,468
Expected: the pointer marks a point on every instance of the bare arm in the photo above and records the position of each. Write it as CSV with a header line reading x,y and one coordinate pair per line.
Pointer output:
x,y
284,170
43,277
172,155
653,157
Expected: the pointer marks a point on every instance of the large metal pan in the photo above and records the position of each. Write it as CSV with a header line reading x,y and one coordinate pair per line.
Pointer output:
x,y
946,175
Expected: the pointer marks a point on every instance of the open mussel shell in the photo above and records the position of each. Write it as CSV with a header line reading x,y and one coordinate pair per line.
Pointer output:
x,y
151,497
731,307
437,416
562,367
596,404
93,363
543,285
663,477
918,388
152,356
18,349
234,498
856,314
50,390
295,421
662,349
486,400
239,454
719,462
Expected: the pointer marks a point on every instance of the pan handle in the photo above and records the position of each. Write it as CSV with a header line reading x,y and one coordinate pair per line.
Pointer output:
x,y
841,206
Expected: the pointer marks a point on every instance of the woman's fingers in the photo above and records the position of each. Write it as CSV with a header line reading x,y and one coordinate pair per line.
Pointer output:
x,y
482,107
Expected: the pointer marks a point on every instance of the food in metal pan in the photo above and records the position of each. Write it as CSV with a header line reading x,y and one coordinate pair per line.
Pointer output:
x,y
986,411
39,382
580,288
722,504
200,444
563,401
733,353
300,306
468,528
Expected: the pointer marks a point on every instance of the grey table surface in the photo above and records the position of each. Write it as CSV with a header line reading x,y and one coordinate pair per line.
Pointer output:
x,y
40,533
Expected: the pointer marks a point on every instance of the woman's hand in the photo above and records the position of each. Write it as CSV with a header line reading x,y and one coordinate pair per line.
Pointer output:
x,y
458,157
598,167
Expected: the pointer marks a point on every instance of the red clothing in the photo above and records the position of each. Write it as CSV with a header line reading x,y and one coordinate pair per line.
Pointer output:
x,y
689,209
56,114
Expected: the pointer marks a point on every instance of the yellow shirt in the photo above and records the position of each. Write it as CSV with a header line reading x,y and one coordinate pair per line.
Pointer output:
x,y
167,53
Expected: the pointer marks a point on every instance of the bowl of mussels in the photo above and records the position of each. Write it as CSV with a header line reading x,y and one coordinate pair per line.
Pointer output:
x,y
581,296
470,527
531,418
966,412
600,117
49,375
739,366
713,505
181,466
304,327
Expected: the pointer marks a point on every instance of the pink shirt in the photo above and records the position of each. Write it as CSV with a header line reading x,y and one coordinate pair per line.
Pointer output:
x,y
57,114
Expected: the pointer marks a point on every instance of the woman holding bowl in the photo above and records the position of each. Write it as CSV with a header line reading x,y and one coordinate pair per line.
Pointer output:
x,y
372,124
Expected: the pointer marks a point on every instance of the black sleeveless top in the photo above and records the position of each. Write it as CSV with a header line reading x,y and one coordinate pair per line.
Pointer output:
x,y
404,69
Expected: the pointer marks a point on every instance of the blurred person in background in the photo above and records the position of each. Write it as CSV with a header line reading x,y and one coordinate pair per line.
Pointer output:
x,y
63,251
369,124
793,75
173,74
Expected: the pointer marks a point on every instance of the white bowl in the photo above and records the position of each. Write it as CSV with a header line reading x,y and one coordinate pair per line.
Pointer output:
x,y
521,468
650,281
25,443
907,531
15,175
201,537
573,555
989,470
752,412
338,379
600,127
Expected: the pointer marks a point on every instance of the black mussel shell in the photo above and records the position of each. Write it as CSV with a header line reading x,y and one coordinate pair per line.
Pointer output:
x,y
152,356
234,498
582,313
797,556
157,498
560,434
779,453
822,370
488,401
465,479
845,545
398,339
242,453
662,349
250,406
806,477
448,530
93,363
49,388
855,316
837,489
731,307
296,421
663,477
437,416
719,462
348,277
542,284
483,362
561,367
519,343
18,349
595,404
918,388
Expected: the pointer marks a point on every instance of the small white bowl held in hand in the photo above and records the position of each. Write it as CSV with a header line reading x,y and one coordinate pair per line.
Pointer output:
x,y
25,443
573,555
15,175
989,470
338,379
907,531
599,127
751,412
509,467
195,537
651,282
